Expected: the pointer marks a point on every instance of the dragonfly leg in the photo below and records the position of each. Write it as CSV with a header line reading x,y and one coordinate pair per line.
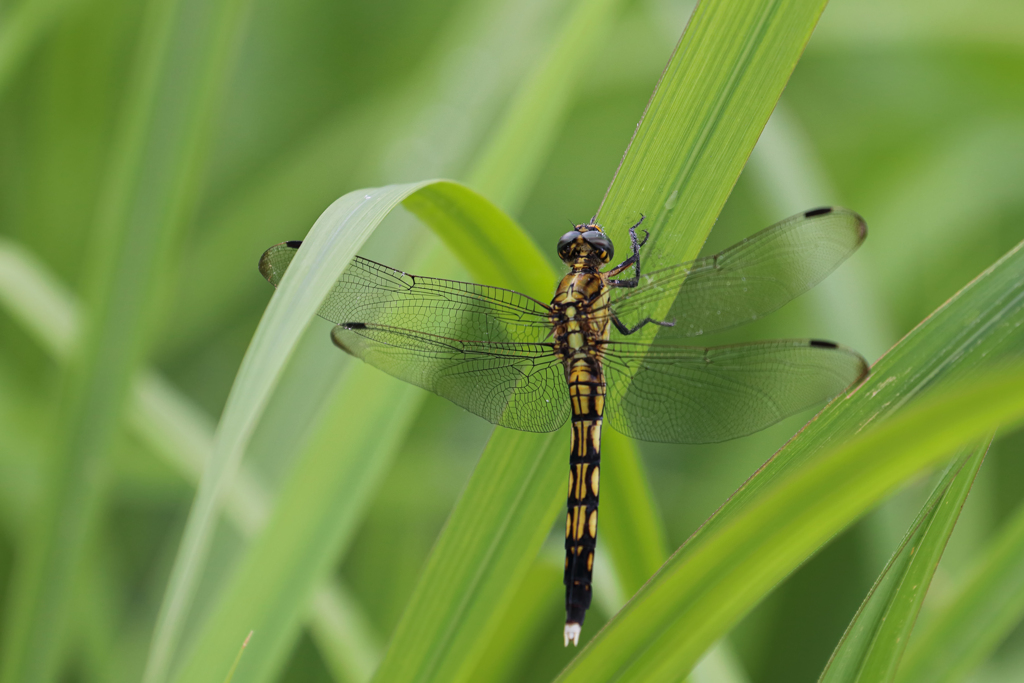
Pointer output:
x,y
646,321
633,260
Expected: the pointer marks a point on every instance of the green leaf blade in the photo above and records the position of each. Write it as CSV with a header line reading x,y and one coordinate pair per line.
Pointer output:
x,y
873,645
631,528
462,594
484,238
315,516
344,463
331,244
985,609
713,100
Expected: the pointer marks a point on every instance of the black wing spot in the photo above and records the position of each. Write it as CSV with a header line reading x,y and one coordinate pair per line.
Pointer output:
x,y
818,212
824,344
862,230
293,244
354,326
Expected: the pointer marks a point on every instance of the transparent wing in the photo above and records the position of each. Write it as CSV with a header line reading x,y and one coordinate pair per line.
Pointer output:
x,y
368,292
520,386
746,281
704,395
483,348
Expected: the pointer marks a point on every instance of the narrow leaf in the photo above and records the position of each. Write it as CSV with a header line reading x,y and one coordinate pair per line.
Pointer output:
x,y
485,239
631,528
343,464
294,553
330,245
715,96
985,610
540,593
345,638
238,657
873,644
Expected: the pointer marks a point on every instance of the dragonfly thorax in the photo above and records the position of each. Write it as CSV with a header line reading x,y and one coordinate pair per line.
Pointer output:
x,y
579,315
586,246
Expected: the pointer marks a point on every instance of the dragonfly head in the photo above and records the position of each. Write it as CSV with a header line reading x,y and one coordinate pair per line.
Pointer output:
x,y
586,243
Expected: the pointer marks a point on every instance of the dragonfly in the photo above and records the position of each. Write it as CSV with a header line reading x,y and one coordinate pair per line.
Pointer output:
x,y
525,364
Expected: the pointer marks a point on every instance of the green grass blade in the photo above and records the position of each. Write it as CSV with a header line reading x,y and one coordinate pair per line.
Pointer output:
x,y
488,544
631,529
330,245
316,512
35,298
986,608
874,643
490,245
314,517
511,647
720,664
713,100
673,620
149,195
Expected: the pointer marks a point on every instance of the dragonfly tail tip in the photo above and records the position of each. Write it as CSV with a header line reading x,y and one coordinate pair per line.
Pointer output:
x,y
572,632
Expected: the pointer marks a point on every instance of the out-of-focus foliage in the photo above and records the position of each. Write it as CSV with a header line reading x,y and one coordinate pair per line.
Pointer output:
x,y
910,112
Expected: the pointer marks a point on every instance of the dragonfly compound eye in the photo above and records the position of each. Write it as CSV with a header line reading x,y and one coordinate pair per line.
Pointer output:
x,y
565,243
601,244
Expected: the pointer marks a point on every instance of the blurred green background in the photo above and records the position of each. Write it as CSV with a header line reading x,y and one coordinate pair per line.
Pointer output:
x,y
909,112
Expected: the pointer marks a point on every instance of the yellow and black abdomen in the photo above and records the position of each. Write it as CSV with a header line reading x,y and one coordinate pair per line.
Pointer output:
x,y
586,392
578,336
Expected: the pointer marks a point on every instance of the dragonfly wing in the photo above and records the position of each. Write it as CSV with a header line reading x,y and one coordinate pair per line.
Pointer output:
x,y
705,395
516,385
368,292
275,261
486,349
746,281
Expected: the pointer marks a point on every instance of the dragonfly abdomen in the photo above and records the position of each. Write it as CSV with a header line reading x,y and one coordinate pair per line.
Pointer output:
x,y
580,327
586,394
